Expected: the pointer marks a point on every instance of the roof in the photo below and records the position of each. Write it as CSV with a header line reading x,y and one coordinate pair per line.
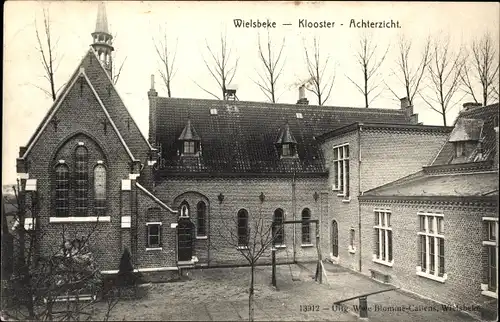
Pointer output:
x,y
154,198
101,24
447,185
189,133
285,136
241,136
104,90
466,128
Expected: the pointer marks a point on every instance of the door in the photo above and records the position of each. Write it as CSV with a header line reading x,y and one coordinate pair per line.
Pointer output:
x,y
335,239
185,231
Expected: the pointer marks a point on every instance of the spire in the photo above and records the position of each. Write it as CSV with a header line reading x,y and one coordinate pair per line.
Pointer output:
x,y
102,39
101,24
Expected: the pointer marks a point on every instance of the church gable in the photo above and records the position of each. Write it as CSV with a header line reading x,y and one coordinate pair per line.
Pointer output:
x,y
117,110
78,111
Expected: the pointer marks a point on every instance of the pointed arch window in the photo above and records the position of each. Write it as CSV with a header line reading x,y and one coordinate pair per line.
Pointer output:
x,y
184,210
100,188
242,228
306,226
279,232
62,190
81,180
201,214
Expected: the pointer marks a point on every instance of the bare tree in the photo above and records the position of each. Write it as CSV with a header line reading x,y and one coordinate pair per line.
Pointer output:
x,y
444,73
369,62
222,68
410,73
479,75
318,83
252,239
48,57
41,281
167,60
273,68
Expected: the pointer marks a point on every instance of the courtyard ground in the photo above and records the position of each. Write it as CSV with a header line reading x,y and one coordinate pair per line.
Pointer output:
x,y
221,294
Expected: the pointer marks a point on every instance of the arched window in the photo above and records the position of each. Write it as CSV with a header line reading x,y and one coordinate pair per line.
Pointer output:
x,y
100,188
184,209
81,181
335,239
279,229
62,190
201,214
242,228
306,227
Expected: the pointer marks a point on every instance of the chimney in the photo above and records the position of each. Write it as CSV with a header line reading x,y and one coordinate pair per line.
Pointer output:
x,y
302,96
469,105
152,95
408,110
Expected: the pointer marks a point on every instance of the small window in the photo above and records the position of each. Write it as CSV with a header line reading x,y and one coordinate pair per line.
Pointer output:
x,y
213,111
306,226
242,228
154,235
286,150
184,210
491,230
352,238
299,115
189,147
201,219
459,149
279,233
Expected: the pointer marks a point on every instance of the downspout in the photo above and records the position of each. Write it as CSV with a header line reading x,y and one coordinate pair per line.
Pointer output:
x,y
293,213
359,192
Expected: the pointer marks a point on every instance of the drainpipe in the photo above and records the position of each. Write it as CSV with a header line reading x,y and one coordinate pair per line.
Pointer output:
x,y
359,192
293,213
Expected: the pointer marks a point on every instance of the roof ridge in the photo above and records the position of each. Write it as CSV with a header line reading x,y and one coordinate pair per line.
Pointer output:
x,y
281,105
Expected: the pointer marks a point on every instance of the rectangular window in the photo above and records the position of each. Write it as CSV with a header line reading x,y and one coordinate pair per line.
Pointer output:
x,y
352,240
383,236
153,235
188,147
489,249
286,150
431,245
341,169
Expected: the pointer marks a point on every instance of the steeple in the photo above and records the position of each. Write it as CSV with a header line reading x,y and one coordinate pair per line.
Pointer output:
x,y
102,39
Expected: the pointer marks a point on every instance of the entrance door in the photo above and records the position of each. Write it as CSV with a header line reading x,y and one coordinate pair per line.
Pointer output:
x,y
335,239
185,231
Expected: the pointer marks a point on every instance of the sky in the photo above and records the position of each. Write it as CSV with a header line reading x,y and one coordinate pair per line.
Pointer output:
x,y
192,25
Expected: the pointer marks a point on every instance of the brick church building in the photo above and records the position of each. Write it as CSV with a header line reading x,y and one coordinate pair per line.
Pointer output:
x,y
209,167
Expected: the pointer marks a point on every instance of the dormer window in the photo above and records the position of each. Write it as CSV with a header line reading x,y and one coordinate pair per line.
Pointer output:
x,y
190,142
189,147
288,150
286,143
459,149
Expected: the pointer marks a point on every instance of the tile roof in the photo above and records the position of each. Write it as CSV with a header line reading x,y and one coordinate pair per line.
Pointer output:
x,y
466,130
488,115
241,136
456,185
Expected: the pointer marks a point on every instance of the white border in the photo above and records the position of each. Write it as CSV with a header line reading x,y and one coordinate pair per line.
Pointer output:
x,y
79,219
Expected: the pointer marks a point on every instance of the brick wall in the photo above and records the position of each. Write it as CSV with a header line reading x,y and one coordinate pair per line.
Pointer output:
x,y
243,193
463,233
386,155
80,120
